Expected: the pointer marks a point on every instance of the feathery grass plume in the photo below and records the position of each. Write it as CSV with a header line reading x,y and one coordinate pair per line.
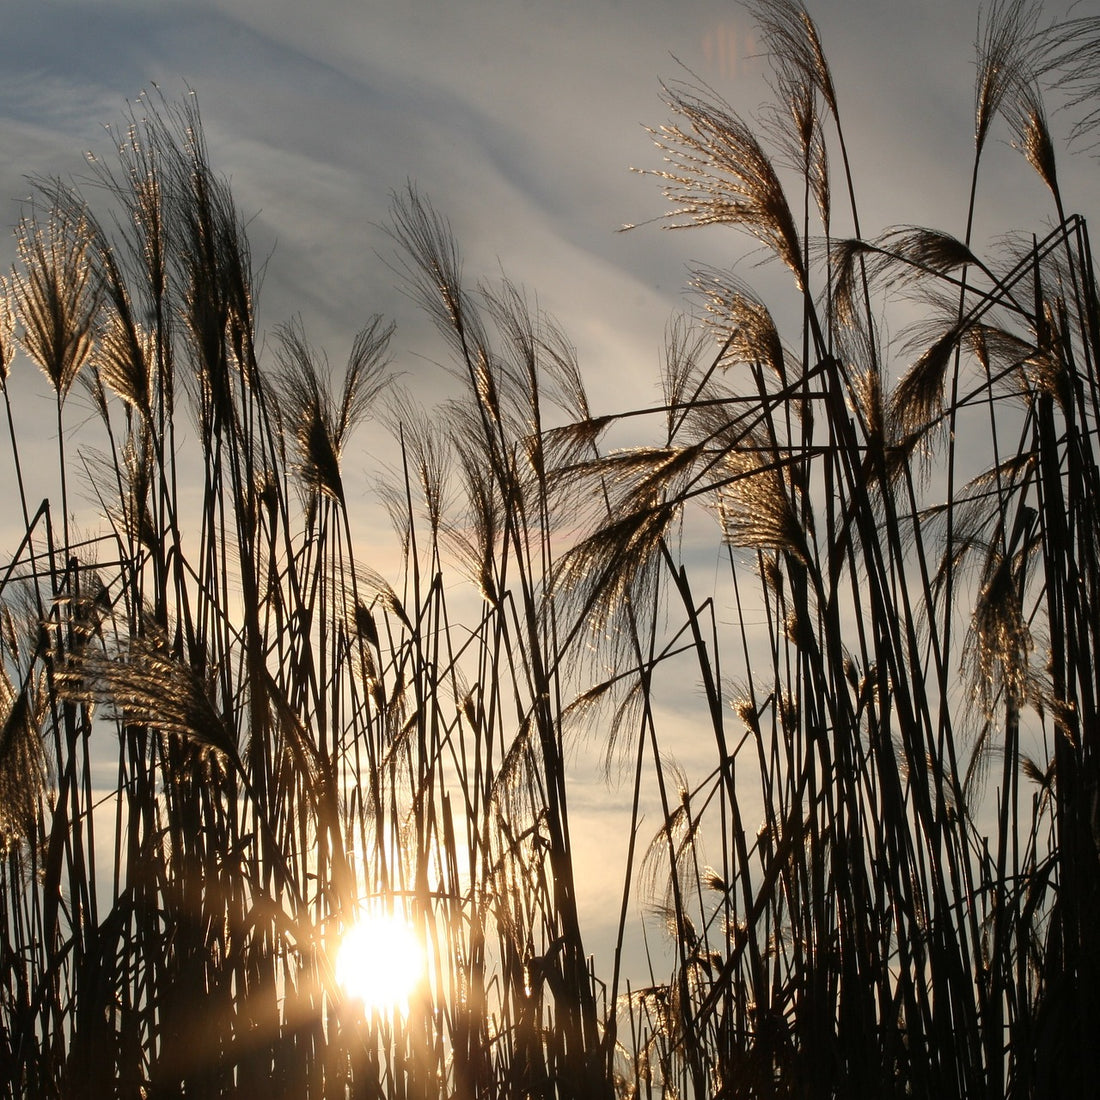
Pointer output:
x,y
801,75
1005,359
917,401
523,387
90,609
517,787
126,351
755,505
888,448
926,250
211,265
558,360
625,719
132,516
1068,54
1006,37
525,336
719,174
794,45
476,536
145,684
897,258
7,332
56,298
1002,641
125,361
146,155
616,567
672,854
976,510
427,451
322,422
22,755
365,375
794,126
817,168
867,398
848,258
745,325
612,571
433,272
681,379
569,451
1048,374
1042,777
1026,116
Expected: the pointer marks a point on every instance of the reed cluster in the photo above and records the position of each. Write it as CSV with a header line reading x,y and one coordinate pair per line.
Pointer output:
x,y
224,733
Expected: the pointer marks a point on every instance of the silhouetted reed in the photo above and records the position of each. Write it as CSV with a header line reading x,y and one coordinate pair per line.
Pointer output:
x,y
224,734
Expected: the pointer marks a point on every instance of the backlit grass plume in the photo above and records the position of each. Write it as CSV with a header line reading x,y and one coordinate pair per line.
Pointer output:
x,y
230,735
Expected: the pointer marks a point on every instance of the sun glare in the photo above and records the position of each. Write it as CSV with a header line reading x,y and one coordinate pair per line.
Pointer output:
x,y
380,962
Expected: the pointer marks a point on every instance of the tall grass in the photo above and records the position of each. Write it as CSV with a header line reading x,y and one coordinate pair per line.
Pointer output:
x,y
886,884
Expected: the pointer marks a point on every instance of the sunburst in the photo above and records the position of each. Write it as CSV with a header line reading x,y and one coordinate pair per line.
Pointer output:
x,y
380,962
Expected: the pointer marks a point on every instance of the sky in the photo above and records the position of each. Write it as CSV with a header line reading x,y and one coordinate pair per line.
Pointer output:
x,y
520,120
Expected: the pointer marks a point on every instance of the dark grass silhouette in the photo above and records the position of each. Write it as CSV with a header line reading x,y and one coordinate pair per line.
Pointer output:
x,y
900,896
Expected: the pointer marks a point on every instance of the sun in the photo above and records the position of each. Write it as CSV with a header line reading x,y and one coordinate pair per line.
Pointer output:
x,y
380,962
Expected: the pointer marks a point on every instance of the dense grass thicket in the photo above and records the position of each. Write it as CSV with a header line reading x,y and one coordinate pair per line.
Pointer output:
x,y
225,732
